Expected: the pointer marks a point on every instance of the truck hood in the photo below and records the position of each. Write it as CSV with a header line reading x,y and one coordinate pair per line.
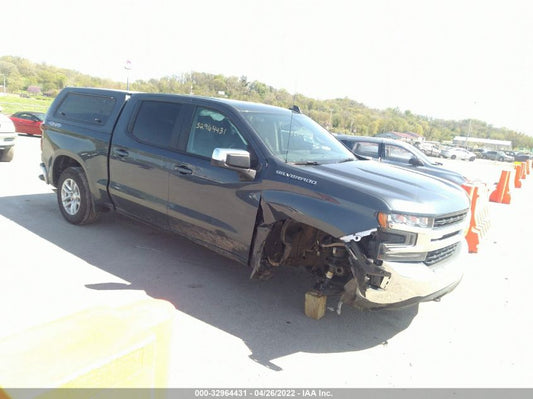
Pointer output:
x,y
443,173
400,189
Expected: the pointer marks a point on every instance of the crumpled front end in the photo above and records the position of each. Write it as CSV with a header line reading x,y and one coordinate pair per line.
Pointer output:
x,y
404,283
405,259
401,264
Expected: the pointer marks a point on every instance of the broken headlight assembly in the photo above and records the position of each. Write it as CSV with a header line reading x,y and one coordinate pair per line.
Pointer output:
x,y
398,237
399,221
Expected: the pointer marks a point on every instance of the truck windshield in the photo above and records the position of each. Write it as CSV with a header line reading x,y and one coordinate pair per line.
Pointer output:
x,y
296,138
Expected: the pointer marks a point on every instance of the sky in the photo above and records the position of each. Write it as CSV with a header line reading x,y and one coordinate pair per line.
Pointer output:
x,y
450,59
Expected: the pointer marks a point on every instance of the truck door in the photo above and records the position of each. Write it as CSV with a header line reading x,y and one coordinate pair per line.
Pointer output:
x,y
206,202
142,152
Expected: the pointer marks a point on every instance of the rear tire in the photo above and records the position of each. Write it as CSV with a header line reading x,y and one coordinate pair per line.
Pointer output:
x,y
74,197
7,154
453,157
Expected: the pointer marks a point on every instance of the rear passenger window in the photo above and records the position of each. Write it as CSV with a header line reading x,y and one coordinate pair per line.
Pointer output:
x,y
86,108
155,122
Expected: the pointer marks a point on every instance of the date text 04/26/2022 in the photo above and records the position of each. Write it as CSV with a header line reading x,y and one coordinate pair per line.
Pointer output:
x,y
262,393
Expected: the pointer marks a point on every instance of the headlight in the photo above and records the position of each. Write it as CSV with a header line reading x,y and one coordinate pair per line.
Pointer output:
x,y
399,220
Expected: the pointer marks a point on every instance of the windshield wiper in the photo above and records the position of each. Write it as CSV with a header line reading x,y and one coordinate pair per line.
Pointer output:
x,y
307,163
346,160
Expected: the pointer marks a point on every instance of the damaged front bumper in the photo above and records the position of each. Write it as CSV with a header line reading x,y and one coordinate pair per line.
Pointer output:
x,y
400,284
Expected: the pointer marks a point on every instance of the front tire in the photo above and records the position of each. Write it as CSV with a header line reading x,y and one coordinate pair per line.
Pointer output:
x,y
74,197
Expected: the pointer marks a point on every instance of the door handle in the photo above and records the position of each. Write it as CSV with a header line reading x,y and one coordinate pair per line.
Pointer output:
x,y
183,170
120,153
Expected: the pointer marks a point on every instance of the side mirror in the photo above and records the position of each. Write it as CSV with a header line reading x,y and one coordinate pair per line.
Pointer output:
x,y
232,159
415,161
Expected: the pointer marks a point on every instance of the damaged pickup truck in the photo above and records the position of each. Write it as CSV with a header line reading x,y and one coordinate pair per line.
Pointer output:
x,y
263,185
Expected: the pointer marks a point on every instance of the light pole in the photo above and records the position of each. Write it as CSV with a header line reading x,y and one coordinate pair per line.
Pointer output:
x,y
127,67
4,86
468,134
469,129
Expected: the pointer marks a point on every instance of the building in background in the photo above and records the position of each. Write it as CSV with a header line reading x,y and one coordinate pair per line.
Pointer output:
x,y
475,142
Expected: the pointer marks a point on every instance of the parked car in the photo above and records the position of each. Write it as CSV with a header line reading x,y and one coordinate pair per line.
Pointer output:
x,y
7,138
499,156
480,152
522,157
28,122
398,153
430,149
510,153
458,153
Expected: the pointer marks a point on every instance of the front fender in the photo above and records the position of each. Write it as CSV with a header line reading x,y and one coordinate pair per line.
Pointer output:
x,y
332,216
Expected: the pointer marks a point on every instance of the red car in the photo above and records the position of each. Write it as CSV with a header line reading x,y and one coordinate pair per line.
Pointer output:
x,y
28,122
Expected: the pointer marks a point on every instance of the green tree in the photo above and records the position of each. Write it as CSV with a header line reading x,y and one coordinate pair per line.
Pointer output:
x,y
341,114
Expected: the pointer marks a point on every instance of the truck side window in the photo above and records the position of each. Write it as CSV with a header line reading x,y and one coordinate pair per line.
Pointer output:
x,y
210,129
155,122
367,149
86,108
397,154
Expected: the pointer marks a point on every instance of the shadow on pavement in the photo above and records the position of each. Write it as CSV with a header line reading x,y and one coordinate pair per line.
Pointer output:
x,y
267,315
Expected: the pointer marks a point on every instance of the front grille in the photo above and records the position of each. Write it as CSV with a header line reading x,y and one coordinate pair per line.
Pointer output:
x,y
449,219
440,254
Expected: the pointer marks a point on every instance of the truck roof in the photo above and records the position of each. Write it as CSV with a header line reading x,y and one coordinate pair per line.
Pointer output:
x,y
241,106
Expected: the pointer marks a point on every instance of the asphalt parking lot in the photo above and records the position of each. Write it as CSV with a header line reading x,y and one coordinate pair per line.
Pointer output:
x,y
230,331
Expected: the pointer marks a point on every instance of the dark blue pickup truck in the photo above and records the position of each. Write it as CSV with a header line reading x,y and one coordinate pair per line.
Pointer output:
x,y
263,185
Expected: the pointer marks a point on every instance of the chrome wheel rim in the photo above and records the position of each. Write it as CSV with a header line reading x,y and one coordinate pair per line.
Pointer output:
x,y
70,197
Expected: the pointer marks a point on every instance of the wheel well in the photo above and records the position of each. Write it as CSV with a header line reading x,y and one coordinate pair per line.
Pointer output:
x,y
292,243
60,164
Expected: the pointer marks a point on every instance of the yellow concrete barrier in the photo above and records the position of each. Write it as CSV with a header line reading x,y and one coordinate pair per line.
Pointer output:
x,y
102,347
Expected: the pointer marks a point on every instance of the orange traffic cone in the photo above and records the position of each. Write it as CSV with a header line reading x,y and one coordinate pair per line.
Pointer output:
x,y
518,175
482,213
472,234
502,194
526,168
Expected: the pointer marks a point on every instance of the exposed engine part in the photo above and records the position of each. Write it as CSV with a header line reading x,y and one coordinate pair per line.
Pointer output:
x,y
293,244
358,236
364,273
334,244
323,283
359,258
340,268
